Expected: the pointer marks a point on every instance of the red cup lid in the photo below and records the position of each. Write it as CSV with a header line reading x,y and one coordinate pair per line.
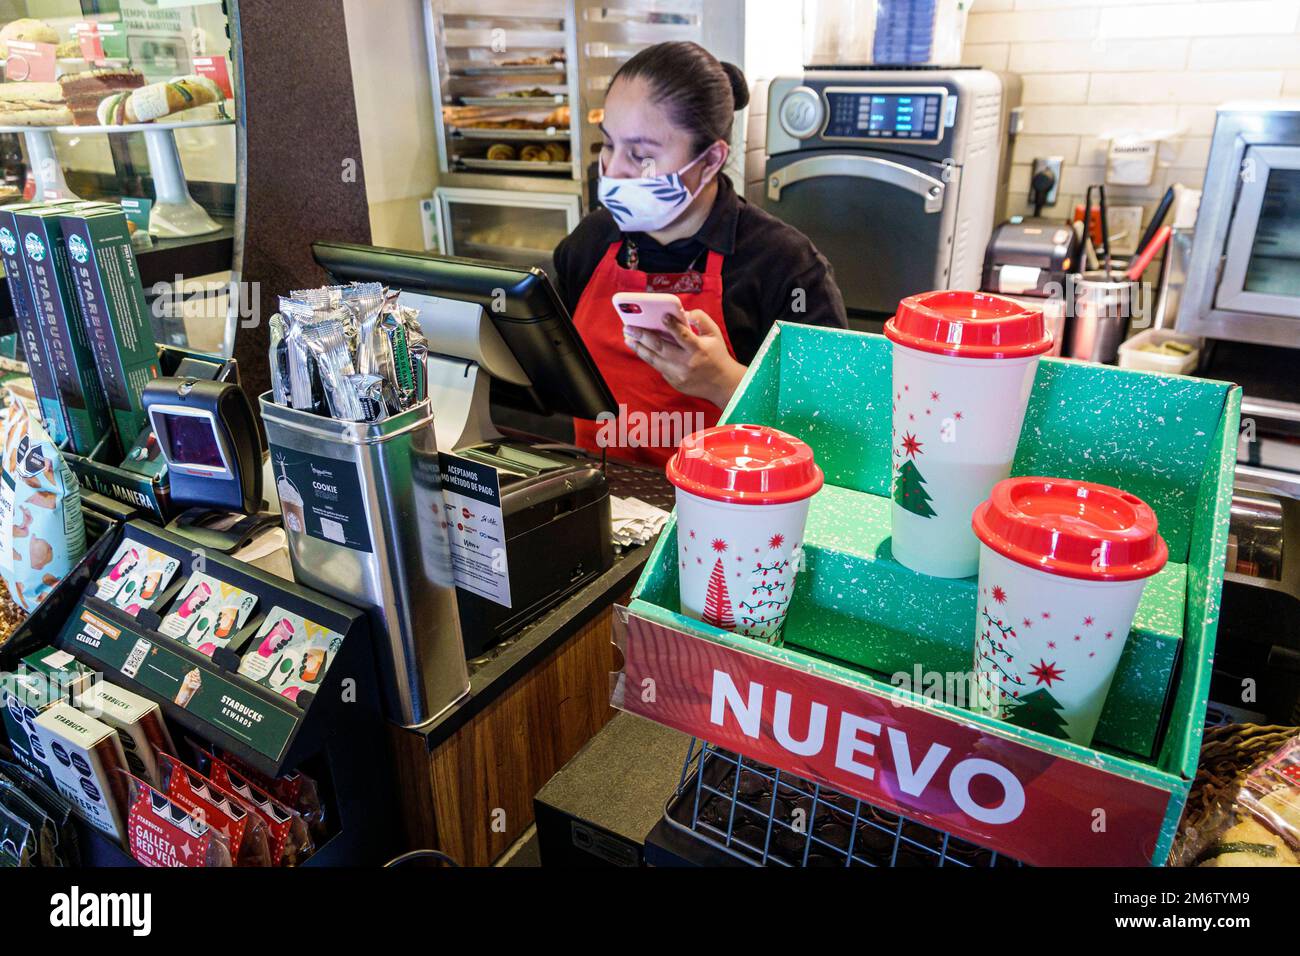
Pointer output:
x,y
745,464
969,325
1076,529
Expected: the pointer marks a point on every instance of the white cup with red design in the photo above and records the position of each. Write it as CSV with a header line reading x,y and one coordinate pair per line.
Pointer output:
x,y
742,502
963,368
1062,567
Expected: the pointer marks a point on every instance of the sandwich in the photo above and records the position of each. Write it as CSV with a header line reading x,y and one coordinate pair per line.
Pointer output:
x,y
33,104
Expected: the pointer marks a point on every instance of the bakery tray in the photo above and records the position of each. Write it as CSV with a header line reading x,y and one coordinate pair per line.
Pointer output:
x,y
514,165
508,70
864,635
501,135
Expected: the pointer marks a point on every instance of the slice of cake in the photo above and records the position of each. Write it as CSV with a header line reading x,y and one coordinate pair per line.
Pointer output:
x,y
85,91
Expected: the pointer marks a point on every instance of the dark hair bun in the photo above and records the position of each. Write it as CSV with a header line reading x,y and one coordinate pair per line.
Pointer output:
x,y
692,85
739,86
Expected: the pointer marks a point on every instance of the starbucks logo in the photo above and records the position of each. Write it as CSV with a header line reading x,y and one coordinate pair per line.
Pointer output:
x,y
7,242
35,248
78,249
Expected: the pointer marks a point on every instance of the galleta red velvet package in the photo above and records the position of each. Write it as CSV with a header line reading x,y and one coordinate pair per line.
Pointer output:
x,y
163,833
238,820
287,832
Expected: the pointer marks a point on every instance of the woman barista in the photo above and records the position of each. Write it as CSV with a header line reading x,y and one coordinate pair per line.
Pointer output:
x,y
673,223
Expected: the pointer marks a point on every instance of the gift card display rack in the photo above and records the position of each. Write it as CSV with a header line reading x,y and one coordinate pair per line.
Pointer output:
x,y
335,732
850,742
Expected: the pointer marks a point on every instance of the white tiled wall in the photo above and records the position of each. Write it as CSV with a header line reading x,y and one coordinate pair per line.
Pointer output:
x,y
1095,68
773,46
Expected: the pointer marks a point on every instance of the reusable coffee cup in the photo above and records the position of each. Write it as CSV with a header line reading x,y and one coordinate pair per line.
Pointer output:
x,y
742,502
1062,567
963,368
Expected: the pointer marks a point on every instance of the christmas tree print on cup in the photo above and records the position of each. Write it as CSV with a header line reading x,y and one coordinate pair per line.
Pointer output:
x,y
1062,567
742,502
963,367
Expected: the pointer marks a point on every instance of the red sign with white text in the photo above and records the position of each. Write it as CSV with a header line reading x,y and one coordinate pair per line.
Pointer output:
x,y
91,43
957,777
31,62
216,69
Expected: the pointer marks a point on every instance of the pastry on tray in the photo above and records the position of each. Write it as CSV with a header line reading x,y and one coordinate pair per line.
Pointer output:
x,y
29,30
33,104
85,91
158,100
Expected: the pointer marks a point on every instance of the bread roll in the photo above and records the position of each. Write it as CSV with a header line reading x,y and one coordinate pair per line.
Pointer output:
x,y
29,29
501,151
158,100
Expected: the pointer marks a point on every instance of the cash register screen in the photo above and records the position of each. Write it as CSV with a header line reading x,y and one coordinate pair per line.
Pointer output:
x,y
191,440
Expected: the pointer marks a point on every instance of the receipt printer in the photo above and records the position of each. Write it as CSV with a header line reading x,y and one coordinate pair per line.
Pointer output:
x,y
555,517
1030,257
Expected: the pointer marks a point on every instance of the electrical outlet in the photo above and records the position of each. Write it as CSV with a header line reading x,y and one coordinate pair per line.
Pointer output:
x,y
1052,163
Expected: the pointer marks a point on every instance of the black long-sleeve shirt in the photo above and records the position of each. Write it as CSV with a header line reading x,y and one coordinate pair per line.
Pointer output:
x,y
770,270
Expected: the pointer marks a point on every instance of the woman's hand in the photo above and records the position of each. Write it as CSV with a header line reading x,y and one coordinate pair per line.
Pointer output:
x,y
690,354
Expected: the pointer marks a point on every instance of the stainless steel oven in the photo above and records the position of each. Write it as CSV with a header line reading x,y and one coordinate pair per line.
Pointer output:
x,y
895,174
1243,279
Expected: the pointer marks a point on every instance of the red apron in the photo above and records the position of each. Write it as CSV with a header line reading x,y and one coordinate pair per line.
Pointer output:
x,y
643,432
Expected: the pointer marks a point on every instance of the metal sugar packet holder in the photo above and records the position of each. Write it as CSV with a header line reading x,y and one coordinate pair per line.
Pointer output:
x,y
362,505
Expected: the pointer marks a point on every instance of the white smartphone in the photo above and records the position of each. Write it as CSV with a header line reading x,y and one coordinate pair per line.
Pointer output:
x,y
645,310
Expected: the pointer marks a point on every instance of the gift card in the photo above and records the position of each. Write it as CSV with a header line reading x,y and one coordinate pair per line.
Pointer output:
x,y
208,613
289,654
137,575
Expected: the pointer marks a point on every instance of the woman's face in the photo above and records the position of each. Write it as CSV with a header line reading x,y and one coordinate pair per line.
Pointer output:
x,y
641,140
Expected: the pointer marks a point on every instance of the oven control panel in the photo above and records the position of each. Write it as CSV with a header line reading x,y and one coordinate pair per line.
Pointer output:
x,y
867,114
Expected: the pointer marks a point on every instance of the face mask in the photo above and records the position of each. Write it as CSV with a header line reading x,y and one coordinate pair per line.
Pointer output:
x,y
648,203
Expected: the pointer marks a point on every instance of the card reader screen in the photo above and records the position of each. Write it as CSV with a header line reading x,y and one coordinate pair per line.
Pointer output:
x,y
192,440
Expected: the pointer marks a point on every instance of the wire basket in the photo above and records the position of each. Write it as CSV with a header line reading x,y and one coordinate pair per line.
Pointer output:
x,y
767,817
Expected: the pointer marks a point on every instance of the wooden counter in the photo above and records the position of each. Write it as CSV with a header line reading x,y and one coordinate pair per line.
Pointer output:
x,y
466,780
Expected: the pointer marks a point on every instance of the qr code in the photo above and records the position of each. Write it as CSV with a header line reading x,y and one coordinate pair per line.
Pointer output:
x,y
333,530
136,658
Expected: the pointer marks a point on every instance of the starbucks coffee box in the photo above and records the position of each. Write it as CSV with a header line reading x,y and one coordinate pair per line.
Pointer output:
x,y
58,311
89,766
23,697
138,722
67,675
103,268
28,327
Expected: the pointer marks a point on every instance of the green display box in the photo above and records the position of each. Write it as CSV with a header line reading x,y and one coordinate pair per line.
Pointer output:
x,y
858,618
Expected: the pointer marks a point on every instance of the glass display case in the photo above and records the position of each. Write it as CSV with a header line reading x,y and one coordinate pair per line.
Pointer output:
x,y
131,101
517,229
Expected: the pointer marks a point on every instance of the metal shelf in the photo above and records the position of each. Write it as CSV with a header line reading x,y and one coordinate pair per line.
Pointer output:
x,y
467,71
516,102
514,165
500,135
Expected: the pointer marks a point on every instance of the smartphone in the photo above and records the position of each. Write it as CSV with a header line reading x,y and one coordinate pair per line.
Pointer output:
x,y
645,310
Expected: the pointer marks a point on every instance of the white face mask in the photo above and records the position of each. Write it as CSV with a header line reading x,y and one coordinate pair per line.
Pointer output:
x,y
647,203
